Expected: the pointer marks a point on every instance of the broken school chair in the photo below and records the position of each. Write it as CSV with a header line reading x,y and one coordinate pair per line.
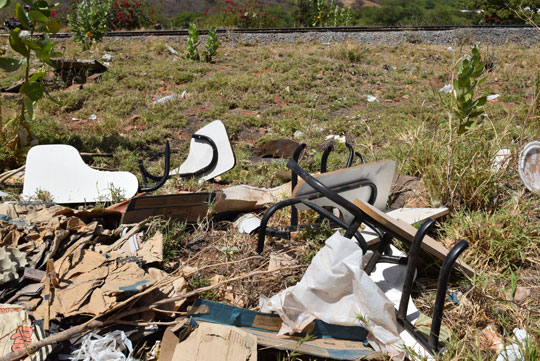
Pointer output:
x,y
210,154
388,230
370,182
59,170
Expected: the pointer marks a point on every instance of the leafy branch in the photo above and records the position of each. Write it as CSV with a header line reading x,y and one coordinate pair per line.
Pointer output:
x,y
36,19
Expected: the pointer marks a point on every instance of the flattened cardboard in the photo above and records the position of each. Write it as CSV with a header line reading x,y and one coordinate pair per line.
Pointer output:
x,y
339,342
188,207
210,341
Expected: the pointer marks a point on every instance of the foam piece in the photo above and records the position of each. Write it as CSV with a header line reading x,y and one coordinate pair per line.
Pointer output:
x,y
200,153
60,170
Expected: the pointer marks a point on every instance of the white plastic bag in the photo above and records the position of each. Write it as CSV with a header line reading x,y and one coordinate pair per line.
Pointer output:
x,y
513,352
335,289
104,348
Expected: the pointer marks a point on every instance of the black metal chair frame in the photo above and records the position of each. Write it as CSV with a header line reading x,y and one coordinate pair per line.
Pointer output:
x,y
307,198
162,179
386,235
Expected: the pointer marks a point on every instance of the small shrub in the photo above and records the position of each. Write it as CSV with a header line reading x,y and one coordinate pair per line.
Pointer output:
x,y
250,14
15,132
212,44
468,77
89,21
312,13
192,44
184,18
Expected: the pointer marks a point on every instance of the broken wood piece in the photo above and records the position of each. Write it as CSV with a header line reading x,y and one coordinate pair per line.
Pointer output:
x,y
407,215
189,207
407,232
32,290
33,274
261,196
10,173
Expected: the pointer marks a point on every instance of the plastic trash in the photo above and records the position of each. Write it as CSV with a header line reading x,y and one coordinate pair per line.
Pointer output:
x,y
247,223
107,57
166,99
337,138
529,166
171,49
370,98
335,289
110,347
447,89
513,352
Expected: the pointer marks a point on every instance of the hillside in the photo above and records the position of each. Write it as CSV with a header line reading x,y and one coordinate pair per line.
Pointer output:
x,y
172,7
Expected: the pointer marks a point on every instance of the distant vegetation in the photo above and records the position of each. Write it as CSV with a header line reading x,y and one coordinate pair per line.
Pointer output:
x,y
310,13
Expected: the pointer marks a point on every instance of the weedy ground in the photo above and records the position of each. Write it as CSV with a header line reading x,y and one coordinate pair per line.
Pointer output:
x,y
263,92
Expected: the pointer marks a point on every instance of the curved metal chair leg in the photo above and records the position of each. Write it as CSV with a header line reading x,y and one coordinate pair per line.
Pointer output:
x,y
165,175
264,222
359,155
294,181
325,155
351,155
146,174
213,162
442,286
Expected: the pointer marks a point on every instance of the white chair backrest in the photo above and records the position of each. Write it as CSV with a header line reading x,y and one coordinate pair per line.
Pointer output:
x,y
200,153
60,170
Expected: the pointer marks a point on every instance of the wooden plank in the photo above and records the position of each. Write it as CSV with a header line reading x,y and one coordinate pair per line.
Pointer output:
x,y
407,215
407,231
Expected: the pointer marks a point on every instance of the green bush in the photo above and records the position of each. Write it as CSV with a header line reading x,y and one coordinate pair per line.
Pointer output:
x,y
413,12
309,13
89,21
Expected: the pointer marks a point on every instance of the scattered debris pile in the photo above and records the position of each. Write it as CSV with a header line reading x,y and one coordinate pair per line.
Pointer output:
x,y
127,283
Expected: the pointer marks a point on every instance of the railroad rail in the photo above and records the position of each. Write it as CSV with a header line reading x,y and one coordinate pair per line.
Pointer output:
x,y
345,29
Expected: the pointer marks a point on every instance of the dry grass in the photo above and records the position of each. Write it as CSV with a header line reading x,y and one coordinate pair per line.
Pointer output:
x,y
268,92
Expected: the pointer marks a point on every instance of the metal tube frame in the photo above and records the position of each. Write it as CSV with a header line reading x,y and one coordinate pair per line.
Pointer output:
x,y
161,180
202,138
431,345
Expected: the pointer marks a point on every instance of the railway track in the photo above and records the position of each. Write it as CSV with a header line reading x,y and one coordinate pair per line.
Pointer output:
x,y
348,29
